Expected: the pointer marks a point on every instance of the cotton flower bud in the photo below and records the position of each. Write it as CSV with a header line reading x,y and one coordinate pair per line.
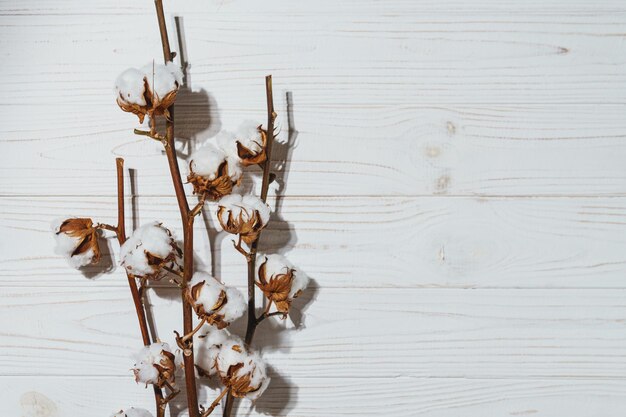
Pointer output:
x,y
150,90
214,302
280,281
207,348
77,240
133,412
156,364
148,250
213,173
243,215
247,145
242,372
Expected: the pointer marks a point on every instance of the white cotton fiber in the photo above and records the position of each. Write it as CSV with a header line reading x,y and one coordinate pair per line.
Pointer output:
x,y
207,160
130,86
237,205
151,238
207,347
236,305
249,136
163,79
133,412
148,356
227,142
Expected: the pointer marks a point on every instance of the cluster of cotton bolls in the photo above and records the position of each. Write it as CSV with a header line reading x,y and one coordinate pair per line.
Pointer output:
x,y
150,90
241,370
213,301
155,364
280,281
216,168
243,215
133,412
150,248
77,241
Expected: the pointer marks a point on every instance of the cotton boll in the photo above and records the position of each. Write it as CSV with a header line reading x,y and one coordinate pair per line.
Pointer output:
x,y
148,250
279,280
243,215
242,371
77,241
133,412
214,302
207,348
155,364
130,86
212,172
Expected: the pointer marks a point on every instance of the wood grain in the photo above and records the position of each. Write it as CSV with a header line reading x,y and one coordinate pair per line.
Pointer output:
x,y
340,332
362,242
455,188
311,397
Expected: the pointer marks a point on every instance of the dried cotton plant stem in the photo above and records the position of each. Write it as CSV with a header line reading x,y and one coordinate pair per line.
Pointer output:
x,y
187,221
120,232
253,321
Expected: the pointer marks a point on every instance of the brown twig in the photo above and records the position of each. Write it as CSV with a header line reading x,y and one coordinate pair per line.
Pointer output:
x,y
120,232
209,410
253,321
187,221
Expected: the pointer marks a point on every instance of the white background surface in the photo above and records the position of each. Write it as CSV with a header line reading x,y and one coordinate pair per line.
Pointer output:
x,y
456,188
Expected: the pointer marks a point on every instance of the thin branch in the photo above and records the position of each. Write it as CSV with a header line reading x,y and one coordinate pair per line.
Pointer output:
x,y
266,315
209,410
253,321
120,231
187,222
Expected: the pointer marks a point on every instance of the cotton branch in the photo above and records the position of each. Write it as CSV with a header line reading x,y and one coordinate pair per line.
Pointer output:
x,y
187,222
120,232
253,321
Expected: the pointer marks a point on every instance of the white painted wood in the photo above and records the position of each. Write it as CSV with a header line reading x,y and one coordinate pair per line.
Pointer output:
x,y
317,397
456,189
430,242
439,333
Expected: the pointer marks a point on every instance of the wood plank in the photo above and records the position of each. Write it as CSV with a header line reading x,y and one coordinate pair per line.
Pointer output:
x,y
312,397
342,332
492,98
362,242
387,150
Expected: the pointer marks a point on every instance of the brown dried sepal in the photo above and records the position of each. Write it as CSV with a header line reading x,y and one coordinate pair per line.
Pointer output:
x,y
277,287
159,263
213,189
212,317
239,386
82,230
155,105
248,229
249,157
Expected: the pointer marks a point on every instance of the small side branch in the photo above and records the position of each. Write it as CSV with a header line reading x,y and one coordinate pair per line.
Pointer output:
x,y
209,410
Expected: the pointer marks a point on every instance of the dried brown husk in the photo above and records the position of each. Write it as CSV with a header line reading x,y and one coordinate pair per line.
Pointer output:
x,y
155,105
213,189
82,230
249,157
239,385
248,229
276,287
212,317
